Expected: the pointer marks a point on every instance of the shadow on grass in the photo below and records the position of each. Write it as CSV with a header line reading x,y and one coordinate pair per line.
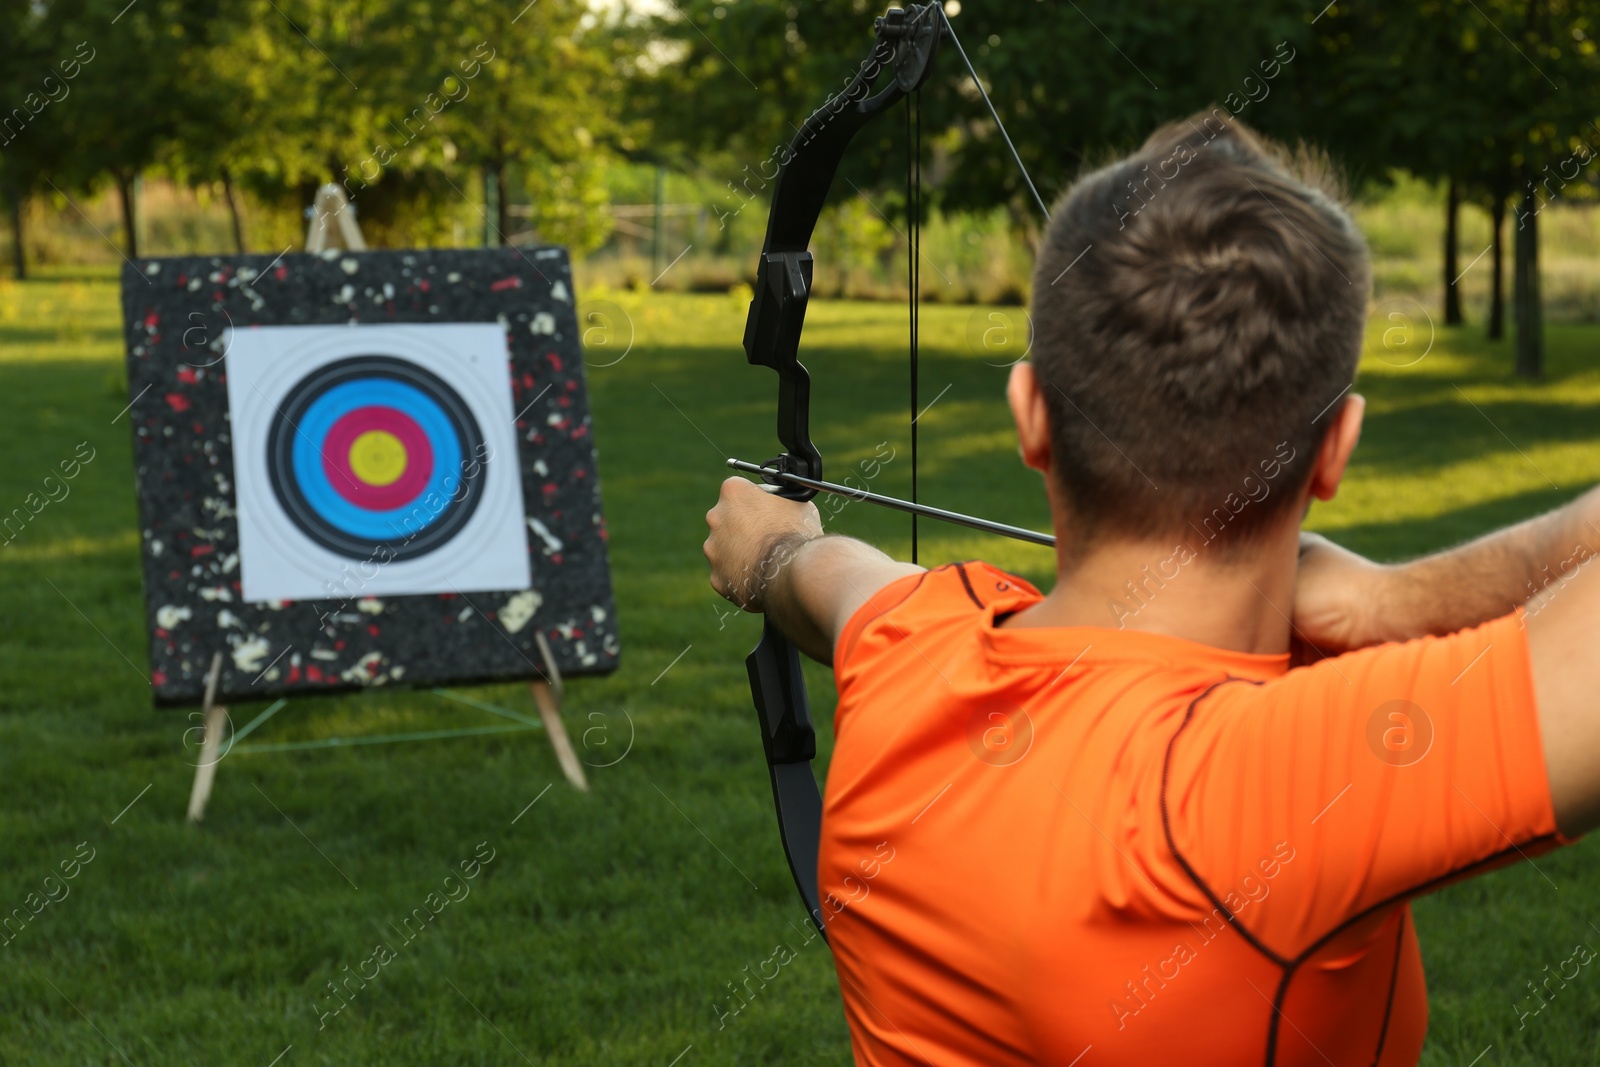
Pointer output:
x,y
1408,537
1404,439
30,335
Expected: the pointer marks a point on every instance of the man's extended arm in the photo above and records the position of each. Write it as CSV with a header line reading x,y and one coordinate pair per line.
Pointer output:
x,y
769,554
1343,601
1539,563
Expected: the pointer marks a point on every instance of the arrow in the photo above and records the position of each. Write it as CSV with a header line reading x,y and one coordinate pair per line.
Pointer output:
x,y
770,474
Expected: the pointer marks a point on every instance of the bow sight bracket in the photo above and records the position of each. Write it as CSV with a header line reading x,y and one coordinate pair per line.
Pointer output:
x,y
772,339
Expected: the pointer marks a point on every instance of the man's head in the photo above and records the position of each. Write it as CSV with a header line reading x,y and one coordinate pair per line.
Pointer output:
x,y
1198,310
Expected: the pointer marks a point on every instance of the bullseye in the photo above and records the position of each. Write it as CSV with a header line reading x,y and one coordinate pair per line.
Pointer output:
x,y
375,452
378,458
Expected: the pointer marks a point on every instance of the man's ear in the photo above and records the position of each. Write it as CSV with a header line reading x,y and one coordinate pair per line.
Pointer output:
x,y
1026,398
1337,444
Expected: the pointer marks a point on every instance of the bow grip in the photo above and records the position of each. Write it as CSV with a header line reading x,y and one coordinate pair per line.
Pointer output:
x,y
774,668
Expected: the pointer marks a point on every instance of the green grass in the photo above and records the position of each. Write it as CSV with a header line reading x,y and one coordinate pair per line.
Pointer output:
x,y
607,926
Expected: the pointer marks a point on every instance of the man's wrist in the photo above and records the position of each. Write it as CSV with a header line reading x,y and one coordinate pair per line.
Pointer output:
x,y
772,566
1385,606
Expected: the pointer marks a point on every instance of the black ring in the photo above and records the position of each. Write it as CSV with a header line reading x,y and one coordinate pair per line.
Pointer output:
x,y
459,506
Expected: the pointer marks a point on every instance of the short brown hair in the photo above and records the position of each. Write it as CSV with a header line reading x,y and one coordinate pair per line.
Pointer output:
x,y
1198,311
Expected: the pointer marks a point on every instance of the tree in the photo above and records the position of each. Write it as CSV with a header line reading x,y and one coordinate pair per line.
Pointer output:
x,y
302,82
125,109
240,96
730,83
1386,87
1452,215
31,82
497,88
1554,41
1074,83
1466,91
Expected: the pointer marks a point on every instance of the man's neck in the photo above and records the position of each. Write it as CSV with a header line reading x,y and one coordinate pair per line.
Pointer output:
x,y
1181,589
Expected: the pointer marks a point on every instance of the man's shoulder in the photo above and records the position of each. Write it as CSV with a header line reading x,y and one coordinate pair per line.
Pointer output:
x,y
951,592
1499,645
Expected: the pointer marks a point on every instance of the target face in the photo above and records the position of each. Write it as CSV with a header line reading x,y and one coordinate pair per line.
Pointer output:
x,y
369,454
375,460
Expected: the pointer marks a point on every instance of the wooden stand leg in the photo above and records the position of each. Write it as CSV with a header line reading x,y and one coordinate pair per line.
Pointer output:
x,y
547,695
205,772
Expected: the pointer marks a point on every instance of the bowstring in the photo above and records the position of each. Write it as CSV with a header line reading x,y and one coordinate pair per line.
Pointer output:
x,y
913,270
1015,155
914,223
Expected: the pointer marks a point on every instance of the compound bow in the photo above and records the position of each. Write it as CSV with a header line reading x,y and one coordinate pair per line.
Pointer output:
x,y
904,48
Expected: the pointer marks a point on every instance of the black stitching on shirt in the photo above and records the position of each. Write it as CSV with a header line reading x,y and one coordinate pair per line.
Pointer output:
x,y
961,568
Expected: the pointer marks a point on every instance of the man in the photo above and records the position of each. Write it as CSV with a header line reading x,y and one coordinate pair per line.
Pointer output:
x,y
1111,825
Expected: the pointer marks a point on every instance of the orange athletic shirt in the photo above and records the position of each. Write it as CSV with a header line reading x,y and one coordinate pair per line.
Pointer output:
x,y
1093,846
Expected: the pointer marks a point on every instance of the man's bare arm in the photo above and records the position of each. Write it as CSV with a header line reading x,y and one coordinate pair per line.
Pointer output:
x,y
1540,563
824,584
1343,601
1564,644
768,554
1486,578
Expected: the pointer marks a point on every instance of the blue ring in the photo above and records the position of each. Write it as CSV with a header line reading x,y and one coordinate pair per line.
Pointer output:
x,y
419,512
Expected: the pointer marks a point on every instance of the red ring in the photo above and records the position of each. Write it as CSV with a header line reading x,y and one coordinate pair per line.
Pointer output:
x,y
336,458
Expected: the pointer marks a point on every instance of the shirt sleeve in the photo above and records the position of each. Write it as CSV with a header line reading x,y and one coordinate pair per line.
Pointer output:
x,y
1317,799
887,629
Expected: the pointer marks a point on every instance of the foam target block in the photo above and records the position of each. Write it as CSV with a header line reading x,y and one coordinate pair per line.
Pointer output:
x,y
359,469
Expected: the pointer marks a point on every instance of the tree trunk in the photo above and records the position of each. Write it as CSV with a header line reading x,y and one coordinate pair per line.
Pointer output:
x,y
492,230
233,211
657,234
130,208
1525,299
19,250
1497,289
502,211
1452,294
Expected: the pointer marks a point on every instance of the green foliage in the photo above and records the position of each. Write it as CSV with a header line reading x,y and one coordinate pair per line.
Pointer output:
x,y
1482,90
1076,82
1071,82
404,103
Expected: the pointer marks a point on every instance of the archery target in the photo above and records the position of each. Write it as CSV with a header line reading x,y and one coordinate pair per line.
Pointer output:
x,y
375,460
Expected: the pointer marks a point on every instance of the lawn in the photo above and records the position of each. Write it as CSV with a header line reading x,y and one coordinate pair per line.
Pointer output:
x,y
607,928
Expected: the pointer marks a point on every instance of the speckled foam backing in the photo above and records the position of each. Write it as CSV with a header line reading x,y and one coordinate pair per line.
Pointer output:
x,y
176,312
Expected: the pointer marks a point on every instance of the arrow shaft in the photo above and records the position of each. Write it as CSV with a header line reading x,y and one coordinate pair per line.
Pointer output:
x,y
971,522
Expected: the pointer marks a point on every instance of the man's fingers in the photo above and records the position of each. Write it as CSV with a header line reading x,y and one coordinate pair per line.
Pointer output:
x,y
745,518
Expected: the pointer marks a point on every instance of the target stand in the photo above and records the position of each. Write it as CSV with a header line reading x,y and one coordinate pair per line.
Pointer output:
x,y
362,470
214,746
331,207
